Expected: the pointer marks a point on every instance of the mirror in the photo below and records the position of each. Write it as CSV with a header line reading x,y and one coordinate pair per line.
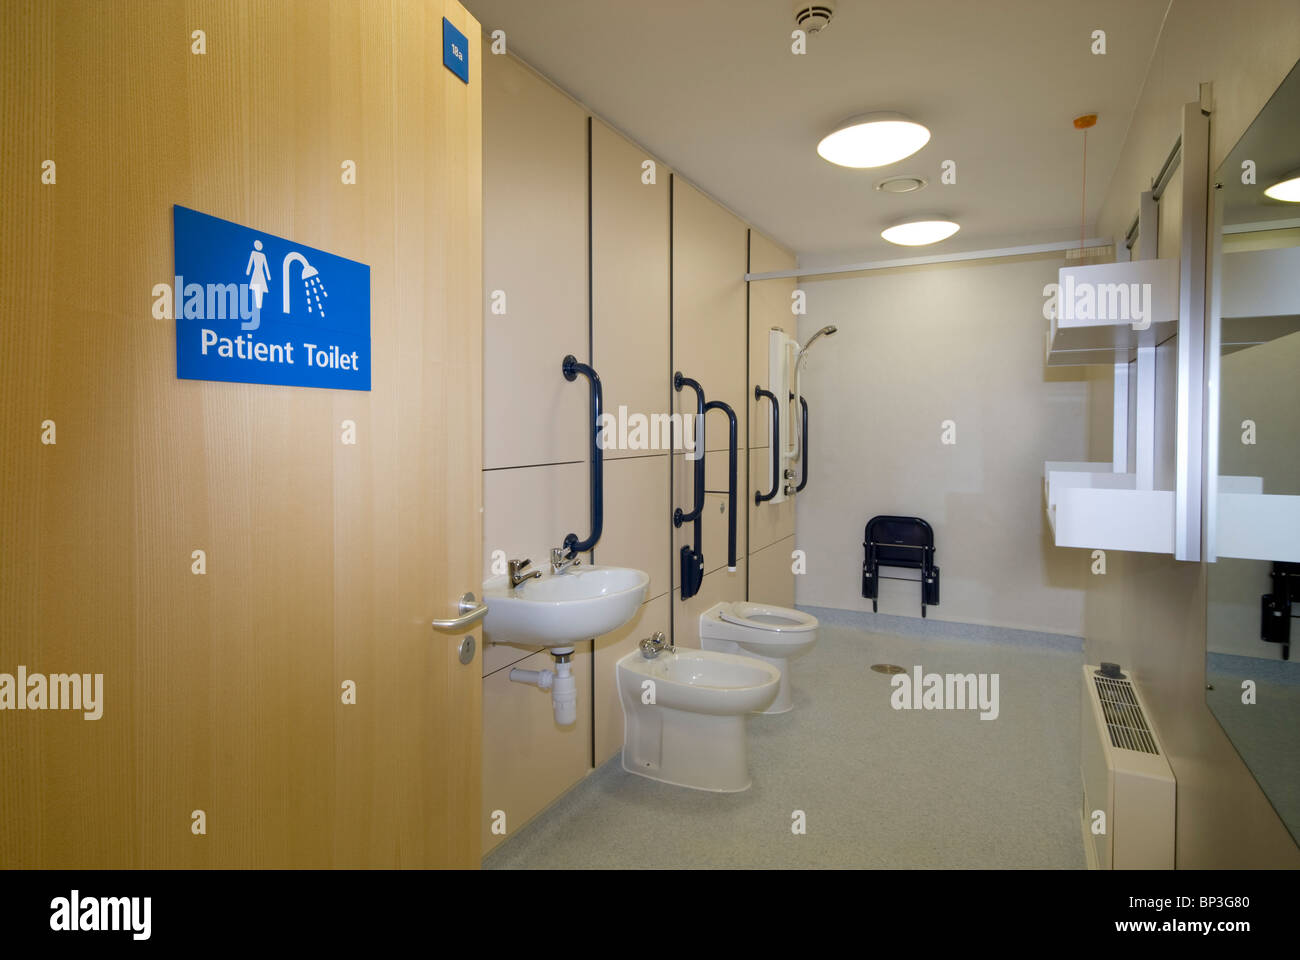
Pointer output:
x,y
1253,498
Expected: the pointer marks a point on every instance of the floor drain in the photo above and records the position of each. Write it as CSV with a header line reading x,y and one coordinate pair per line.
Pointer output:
x,y
887,668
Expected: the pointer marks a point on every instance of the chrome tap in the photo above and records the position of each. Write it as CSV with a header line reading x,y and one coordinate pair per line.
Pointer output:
x,y
654,645
560,563
517,576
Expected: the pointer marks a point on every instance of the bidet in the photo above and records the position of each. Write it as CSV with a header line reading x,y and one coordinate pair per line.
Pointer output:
x,y
685,715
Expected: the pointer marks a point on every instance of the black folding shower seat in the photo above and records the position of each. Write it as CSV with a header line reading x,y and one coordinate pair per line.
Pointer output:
x,y
900,542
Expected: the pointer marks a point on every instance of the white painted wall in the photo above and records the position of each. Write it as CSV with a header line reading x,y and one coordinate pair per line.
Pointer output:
x,y
917,346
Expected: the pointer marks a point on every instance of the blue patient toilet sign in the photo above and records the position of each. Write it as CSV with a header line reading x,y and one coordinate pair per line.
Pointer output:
x,y
252,307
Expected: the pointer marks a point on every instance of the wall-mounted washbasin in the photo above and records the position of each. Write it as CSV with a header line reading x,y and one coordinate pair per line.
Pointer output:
x,y
564,608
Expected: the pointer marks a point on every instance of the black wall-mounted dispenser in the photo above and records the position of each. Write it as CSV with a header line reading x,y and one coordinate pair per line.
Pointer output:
x,y
1275,608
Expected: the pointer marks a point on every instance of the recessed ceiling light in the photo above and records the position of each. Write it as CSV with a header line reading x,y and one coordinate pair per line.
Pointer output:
x,y
1288,190
900,184
874,140
919,232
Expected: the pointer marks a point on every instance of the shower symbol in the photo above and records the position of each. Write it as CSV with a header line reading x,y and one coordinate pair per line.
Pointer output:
x,y
312,285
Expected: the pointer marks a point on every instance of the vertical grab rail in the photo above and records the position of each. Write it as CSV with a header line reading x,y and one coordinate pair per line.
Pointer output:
x,y
679,517
732,456
803,442
692,558
571,368
759,496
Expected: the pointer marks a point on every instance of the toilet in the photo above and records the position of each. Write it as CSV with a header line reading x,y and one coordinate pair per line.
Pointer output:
x,y
771,634
692,734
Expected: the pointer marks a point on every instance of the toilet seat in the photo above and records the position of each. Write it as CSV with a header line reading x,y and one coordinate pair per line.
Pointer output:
x,y
762,616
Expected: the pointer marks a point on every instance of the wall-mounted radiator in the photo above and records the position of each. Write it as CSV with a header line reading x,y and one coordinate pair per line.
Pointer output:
x,y
1126,779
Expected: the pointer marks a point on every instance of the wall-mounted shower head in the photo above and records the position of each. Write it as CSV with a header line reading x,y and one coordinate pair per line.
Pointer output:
x,y
823,332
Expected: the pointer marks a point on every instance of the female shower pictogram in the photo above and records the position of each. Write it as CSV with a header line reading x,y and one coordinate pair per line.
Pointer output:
x,y
260,272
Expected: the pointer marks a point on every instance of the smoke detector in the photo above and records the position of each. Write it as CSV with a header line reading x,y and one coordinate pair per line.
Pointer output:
x,y
813,17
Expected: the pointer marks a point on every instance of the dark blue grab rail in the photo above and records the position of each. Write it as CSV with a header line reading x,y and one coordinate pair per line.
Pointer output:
x,y
679,517
803,470
692,557
732,456
572,544
759,496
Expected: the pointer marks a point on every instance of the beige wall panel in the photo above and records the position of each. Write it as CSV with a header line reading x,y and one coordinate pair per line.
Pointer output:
x,y
324,562
713,538
770,578
716,587
535,221
638,519
709,257
528,759
655,616
630,242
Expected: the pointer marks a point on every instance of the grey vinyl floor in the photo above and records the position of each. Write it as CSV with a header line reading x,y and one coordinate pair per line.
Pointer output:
x,y
879,787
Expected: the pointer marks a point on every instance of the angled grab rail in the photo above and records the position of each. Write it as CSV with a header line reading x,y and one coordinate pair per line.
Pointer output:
x,y
571,368
759,496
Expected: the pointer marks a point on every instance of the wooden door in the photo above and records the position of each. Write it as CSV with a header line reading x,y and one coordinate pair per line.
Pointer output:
x,y
323,561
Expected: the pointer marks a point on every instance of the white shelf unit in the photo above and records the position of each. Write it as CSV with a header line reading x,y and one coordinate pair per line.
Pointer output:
x,y
1117,505
1105,312
1091,506
1259,301
1261,283
1258,526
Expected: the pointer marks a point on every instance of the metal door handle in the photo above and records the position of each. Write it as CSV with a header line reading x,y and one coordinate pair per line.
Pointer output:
x,y
471,612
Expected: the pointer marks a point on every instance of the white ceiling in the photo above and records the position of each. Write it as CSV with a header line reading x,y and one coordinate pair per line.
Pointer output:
x,y
712,89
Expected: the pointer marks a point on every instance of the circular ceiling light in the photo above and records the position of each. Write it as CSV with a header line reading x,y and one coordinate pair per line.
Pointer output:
x,y
1287,190
900,184
920,231
874,140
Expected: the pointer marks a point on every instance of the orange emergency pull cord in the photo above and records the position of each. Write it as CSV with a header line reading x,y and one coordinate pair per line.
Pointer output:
x,y
1083,123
